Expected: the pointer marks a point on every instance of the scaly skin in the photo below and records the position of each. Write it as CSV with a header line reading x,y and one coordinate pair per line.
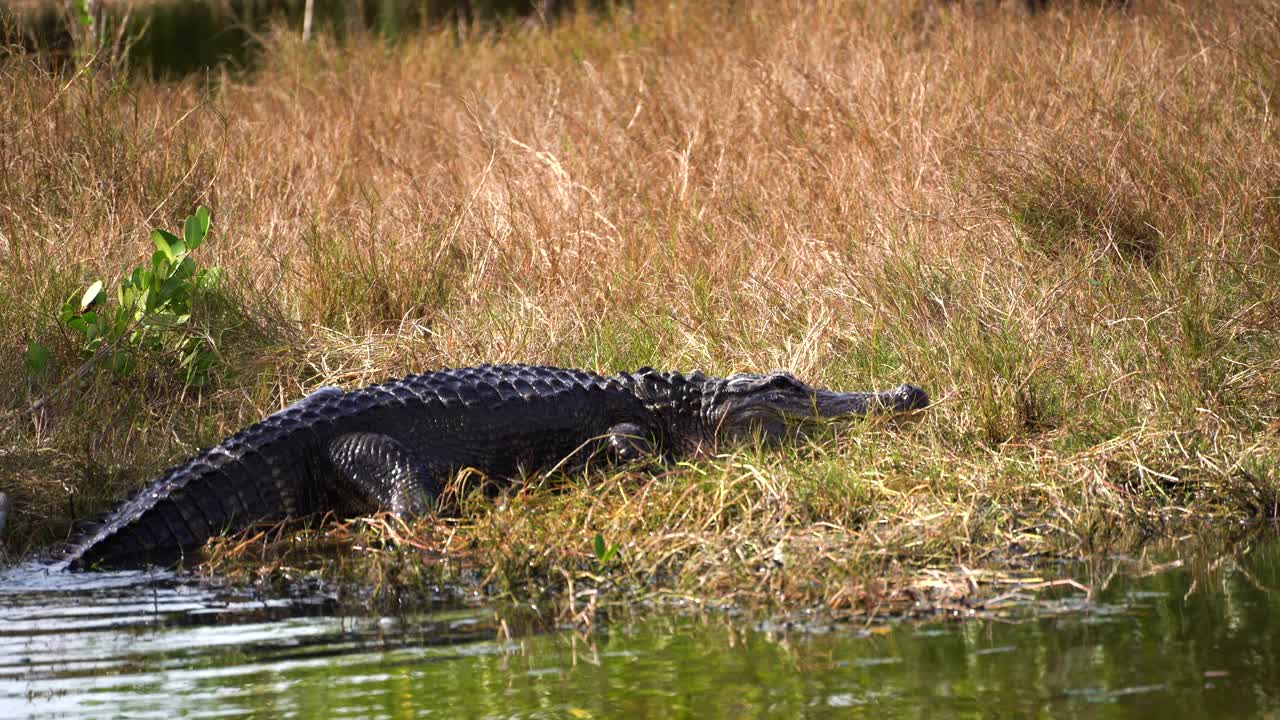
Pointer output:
x,y
392,446
4,513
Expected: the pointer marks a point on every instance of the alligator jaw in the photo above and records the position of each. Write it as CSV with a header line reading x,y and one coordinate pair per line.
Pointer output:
x,y
904,398
776,406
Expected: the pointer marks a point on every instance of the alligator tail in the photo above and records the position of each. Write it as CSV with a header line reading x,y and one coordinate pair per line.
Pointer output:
x,y
257,474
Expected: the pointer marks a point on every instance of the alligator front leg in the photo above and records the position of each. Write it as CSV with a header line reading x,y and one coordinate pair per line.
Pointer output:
x,y
383,472
630,442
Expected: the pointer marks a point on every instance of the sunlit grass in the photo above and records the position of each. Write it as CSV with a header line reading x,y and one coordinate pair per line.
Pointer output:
x,y
1063,225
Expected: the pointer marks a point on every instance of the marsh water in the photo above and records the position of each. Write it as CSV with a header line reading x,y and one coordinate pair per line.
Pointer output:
x,y
1200,638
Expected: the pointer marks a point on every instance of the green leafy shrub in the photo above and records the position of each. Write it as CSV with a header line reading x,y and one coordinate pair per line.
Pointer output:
x,y
151,315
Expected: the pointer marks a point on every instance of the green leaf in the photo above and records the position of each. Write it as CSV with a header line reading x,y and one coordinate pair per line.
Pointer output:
x,y
209,278
196,227
92,329
121,362
185,269
195,356
37,357
165,242
159,319
172,290
159,266
604,553
82,12
128,296
123,316
91,295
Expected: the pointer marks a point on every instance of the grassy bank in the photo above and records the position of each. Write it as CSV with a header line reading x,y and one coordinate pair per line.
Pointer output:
x,y
1065,226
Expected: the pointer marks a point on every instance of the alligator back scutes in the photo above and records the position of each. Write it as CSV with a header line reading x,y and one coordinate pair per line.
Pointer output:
x,y
268,469
487,386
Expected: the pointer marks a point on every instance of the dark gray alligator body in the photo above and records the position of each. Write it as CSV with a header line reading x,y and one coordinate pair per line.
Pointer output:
x,y
392,446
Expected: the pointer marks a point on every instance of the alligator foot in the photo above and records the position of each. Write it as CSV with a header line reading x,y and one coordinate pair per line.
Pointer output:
x,y
630,443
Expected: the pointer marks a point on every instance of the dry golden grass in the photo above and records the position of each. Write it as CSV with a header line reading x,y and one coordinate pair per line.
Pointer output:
x,y
1063,225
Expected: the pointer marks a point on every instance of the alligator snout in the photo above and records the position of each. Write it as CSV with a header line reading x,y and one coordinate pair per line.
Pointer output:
x,y
906,398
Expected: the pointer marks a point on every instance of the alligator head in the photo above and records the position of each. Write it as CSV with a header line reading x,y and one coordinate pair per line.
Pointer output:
x,y
777,405
703,413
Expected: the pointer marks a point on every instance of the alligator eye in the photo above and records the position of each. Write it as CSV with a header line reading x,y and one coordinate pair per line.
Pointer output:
x,y
782,382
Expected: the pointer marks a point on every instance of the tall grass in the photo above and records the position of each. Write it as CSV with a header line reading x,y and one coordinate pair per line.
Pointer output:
x,y
1064,225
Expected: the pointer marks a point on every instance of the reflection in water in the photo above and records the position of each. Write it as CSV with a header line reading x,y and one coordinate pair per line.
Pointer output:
x,y
1174,645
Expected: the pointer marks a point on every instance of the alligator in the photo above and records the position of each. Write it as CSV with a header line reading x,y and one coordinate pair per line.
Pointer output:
x,y
392,446
4,514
